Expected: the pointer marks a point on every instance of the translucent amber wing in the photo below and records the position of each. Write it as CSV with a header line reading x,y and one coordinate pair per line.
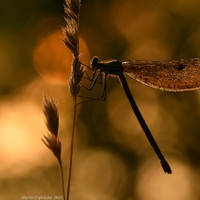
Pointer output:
x,y
172,75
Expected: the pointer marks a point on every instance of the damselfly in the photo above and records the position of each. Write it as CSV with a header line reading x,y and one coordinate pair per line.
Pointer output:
x,y
172,75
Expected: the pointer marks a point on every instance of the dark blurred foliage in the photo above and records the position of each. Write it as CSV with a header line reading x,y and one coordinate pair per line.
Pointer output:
x,y
113,159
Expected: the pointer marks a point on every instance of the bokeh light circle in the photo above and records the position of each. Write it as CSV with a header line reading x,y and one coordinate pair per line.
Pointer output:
x,y
52,59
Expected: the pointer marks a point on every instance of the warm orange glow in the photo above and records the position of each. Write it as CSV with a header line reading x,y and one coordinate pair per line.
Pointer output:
x,y
153,184
100,174
52,59
19,143
22,126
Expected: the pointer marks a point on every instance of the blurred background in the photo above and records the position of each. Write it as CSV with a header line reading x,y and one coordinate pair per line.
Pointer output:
x,y
112,160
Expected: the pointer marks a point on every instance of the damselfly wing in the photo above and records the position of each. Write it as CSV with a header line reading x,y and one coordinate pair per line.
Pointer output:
x,y
172,75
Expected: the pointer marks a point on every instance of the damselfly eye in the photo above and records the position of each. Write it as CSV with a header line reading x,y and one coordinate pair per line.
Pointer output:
x,y
95,60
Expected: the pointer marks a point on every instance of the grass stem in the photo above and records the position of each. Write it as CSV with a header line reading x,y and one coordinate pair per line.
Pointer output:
x,y
71,149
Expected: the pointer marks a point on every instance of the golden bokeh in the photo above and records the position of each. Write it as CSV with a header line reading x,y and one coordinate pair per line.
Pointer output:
x,y
154,185
112,157
52,59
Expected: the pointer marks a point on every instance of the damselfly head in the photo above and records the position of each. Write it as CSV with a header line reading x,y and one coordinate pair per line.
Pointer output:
x,y
94,62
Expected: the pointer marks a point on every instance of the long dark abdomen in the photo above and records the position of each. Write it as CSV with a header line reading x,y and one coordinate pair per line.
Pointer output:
x,y
143,124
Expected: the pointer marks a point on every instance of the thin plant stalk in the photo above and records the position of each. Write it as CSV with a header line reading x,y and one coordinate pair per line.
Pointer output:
x,y
71,40
71,149
62,178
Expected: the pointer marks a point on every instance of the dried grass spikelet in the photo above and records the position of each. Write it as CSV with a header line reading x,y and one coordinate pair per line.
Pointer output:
x,y
53,144
52,122
51,113
74,80
72,8
71,40
70,37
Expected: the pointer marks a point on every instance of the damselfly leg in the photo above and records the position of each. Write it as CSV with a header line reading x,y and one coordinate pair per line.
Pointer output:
x,y
96,78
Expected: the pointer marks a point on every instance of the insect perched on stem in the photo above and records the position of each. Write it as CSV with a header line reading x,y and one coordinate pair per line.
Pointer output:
x,y
173,75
